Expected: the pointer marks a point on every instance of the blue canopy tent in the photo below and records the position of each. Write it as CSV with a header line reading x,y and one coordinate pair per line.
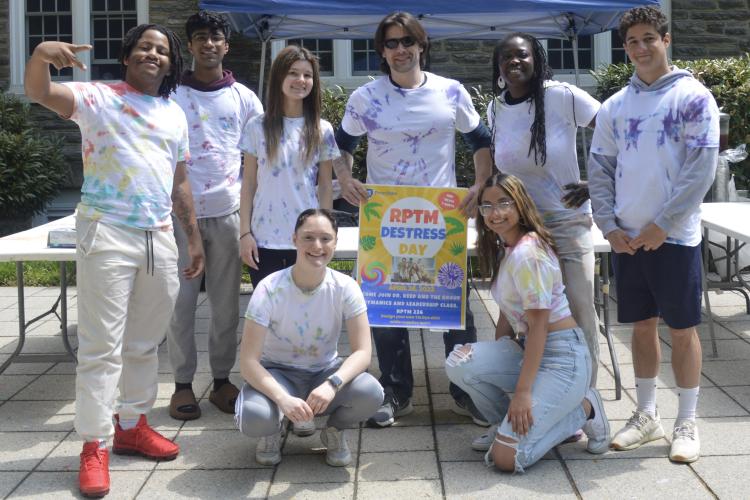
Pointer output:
x,y
479,19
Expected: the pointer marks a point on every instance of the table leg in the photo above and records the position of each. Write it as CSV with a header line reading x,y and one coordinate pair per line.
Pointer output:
x,y
606,329
21,318
704,269
64,310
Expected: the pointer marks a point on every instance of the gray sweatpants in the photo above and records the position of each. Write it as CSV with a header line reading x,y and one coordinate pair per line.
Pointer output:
x,y
223,267
256,415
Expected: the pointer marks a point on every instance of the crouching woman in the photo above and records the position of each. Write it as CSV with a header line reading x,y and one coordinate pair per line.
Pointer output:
x,y
289,352
541,379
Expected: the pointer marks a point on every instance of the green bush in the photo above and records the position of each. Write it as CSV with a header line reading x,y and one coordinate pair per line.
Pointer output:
x,y
31,166
334,104
728,80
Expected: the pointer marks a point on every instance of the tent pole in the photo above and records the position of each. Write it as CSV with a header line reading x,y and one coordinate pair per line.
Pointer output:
x,y
263,45
574,41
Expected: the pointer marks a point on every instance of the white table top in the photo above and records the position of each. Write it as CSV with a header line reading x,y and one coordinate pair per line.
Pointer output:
x,y
732,219
32,244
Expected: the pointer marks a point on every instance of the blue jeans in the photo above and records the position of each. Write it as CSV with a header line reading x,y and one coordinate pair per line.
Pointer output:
x,y
490,372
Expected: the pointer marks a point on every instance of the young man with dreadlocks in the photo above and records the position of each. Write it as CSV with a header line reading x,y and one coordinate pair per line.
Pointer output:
x,y
410,117
653,159
534,122
217,108
135,143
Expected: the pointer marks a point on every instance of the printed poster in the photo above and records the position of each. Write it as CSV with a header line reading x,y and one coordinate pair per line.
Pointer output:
x,y
412,257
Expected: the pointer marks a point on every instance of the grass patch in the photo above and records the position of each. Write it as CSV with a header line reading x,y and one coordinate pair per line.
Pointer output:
x,y
39,273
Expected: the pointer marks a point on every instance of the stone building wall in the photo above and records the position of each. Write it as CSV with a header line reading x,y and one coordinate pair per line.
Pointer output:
x,y
4,45
710,28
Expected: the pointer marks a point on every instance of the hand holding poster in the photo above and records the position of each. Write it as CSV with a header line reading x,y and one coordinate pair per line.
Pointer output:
x,y
412,257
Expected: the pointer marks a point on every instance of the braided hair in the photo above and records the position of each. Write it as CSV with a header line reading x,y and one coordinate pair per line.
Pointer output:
x,y
542,72
171,80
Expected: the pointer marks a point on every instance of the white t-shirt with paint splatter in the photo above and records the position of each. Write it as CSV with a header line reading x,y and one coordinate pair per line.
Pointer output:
x,y
529,278
288,185
411,132
304,327
131,144
215,122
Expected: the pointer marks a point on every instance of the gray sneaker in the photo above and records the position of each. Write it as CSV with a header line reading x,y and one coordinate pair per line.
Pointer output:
x,y
597,428
391,408
304,429
483,442
466,407
268,450
337,449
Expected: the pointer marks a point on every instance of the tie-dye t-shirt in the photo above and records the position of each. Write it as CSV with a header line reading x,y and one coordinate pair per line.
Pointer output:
x,y
566,107
410,132
288,186
304,327
529,278
131,145
215,122
649,129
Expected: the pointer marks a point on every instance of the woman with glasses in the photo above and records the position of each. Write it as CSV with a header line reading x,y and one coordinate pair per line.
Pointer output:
x,y
288,163
534,121
532,382
288,355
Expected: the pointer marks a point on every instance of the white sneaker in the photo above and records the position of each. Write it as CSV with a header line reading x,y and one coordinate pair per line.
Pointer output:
x,y
337,450
483,442
597,428
686,445
304,429
640,429
268,450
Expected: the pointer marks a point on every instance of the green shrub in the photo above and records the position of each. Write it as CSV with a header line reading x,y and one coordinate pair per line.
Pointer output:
x,y
31,166
728,80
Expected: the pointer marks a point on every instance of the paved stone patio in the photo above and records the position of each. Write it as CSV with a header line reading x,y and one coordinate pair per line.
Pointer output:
x,y
426,455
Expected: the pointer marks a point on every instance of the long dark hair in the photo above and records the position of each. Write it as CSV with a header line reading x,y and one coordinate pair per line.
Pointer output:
x,y
170,82
489,244
273,120
542,72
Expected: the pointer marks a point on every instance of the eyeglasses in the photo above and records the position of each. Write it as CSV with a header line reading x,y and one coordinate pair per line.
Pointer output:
x,y
392,43
501,206
215,38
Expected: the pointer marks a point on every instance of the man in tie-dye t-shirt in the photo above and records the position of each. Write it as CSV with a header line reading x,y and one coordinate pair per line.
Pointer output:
x,y
653,159
410,118
134,142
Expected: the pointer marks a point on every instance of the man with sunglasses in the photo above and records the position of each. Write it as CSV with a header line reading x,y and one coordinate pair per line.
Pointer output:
x,y
217,108
410,117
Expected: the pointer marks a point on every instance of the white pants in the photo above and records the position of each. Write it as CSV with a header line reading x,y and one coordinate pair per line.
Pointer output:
x,y
127,287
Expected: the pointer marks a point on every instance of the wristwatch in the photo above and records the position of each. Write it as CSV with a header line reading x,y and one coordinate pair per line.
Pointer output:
x,y
335,382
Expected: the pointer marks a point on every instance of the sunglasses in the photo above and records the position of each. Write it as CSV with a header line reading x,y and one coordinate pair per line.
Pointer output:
x,y
501,206
405,42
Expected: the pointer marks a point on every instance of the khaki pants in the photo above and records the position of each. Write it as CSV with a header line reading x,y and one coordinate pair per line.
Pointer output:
x,y
127,286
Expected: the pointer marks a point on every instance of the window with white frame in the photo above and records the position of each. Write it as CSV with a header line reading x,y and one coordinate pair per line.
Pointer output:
x,y
560,54
365,60
49,20
101,23
618,51
322,49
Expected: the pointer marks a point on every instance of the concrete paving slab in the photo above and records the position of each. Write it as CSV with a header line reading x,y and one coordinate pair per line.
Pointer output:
x,y
39,416
49,388
726,373
224,484
12,384
9,481
726,476
60,485
295,469
61,368
741,394
311,445
438,380
66,458
442,412
209,449
640,478
411,489
420,416
454,442
397,439
475,481
26,368
312,491
395,466
22,451
719,436
712,402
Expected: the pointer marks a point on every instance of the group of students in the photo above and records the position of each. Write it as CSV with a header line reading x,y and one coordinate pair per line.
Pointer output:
x,y
153,163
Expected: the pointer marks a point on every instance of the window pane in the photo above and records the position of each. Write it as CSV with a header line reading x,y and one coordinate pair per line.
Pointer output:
x,y
554,60
325,44
50,25
48,6
33,5
105,72
100,28
100,50
66,25
35,25
115,28
115,46
99,6
359,44
359,61
113,4
63,5
129,5
326,63
33,42
130,23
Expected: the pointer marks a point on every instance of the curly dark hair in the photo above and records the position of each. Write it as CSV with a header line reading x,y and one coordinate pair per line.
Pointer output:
x,y
205,19
542,72
643,15
170,82
411,26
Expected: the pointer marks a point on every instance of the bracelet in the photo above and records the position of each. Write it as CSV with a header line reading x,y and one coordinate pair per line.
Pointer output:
x,y
245,234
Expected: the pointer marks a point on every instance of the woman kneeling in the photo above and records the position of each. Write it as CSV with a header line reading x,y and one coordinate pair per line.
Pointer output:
x,y
288,354
547,370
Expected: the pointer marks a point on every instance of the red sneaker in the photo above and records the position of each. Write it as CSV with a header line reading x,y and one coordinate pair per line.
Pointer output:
x,y
143,440
93,476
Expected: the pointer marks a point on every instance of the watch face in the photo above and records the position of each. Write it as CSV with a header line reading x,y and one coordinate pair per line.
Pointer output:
x,y
335,381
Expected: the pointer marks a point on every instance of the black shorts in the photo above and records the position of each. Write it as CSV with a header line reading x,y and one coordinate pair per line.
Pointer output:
x,y
665,282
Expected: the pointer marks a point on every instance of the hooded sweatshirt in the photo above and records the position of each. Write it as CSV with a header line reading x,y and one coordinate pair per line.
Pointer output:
x,y
653,157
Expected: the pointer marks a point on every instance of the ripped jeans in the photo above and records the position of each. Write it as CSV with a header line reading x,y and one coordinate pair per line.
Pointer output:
x,y
489,374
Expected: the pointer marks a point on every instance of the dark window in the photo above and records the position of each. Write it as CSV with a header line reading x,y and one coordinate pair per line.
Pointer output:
x,y
323,49
110,20
365,61
618,52
560,54
49,20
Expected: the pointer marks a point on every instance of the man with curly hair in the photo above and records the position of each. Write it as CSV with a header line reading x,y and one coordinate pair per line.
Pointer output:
x,y
653,159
